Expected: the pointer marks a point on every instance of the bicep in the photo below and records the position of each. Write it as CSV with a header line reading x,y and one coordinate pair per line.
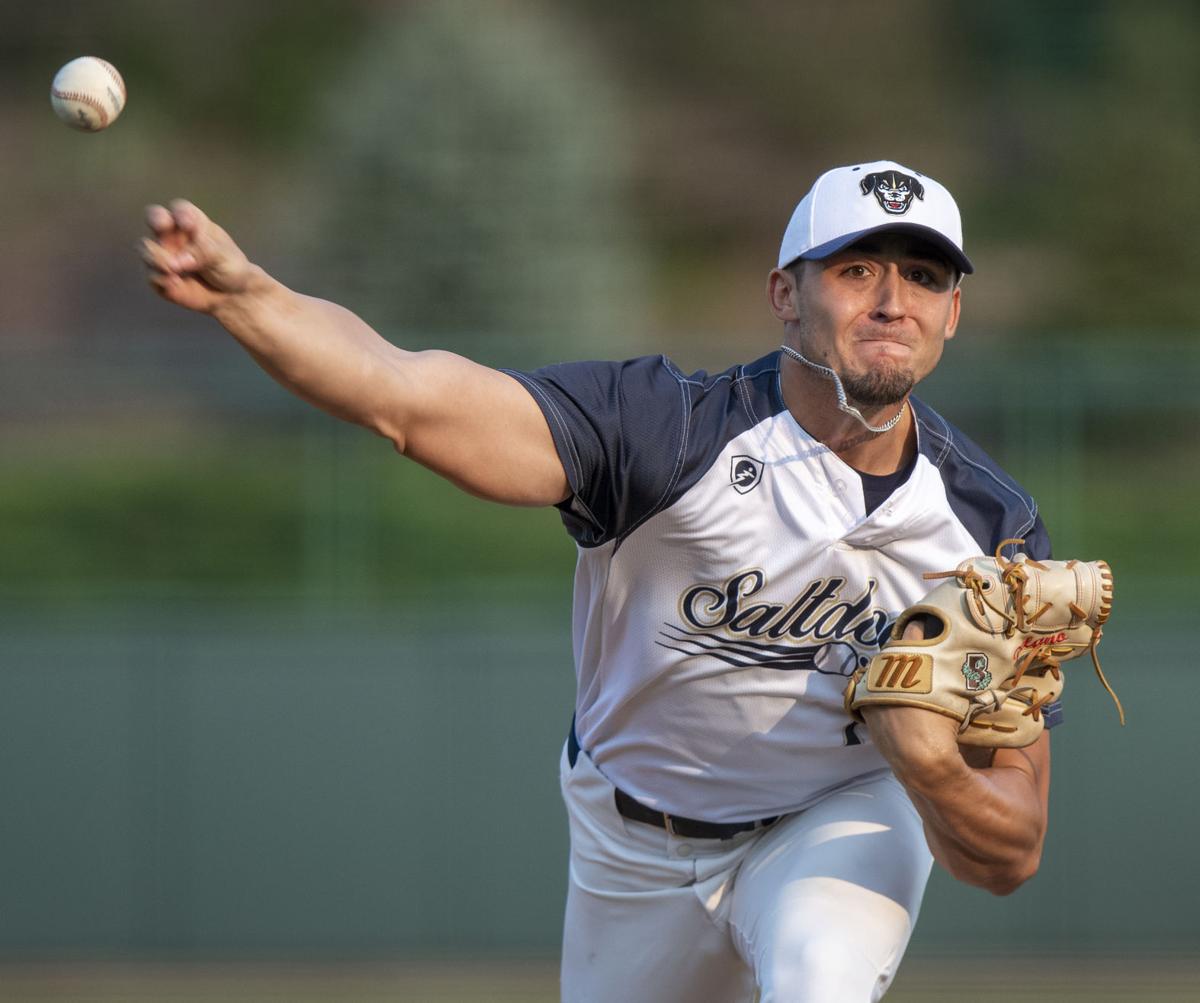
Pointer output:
x,y
477,427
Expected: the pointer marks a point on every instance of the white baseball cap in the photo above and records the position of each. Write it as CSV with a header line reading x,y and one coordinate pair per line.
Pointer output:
x,y
848,203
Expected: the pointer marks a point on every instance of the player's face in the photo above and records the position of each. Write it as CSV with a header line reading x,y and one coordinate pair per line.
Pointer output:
x,y
877,313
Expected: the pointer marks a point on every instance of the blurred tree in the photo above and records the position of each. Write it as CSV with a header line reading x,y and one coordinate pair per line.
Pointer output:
x,y
1064,127
468,187
1091,132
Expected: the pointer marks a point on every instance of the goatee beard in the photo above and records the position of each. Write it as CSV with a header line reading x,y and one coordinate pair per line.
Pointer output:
x,y
880,388
885,386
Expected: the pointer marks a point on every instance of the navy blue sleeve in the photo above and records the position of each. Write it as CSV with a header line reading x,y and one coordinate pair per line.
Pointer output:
x,y
1037,541
619,431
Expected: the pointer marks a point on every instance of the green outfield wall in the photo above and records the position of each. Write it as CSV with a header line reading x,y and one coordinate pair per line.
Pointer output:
x,y
201,781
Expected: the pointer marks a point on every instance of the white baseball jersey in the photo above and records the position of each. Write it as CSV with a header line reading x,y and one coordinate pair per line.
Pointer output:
x,y
730,577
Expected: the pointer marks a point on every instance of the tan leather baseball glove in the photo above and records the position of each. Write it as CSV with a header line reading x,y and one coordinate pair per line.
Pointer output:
x,y
997,632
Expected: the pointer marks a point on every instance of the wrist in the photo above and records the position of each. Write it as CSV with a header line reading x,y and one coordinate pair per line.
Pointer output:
x,y
921,747
238,307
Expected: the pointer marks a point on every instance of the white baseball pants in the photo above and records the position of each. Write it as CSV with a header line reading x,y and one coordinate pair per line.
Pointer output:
x,y
818,908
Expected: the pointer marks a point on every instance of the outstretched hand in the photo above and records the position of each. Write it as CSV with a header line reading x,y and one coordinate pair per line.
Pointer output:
x,y
190,261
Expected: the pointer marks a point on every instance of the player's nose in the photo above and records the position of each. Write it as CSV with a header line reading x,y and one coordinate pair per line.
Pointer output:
x,y
889,296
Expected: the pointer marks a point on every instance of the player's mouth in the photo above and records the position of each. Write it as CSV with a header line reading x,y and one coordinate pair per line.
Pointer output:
x,y
885,348
884,339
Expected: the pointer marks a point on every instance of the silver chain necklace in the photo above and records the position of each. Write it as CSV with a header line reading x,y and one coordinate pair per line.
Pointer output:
x,y
843,401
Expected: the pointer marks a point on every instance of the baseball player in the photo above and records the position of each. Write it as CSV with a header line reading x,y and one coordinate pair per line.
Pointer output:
x,y
745,540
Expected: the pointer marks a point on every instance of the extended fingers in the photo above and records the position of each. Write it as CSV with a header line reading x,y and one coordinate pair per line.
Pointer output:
x,y
187,216
155,257
178,215
158,258
165,283
159,220
159,262
170,247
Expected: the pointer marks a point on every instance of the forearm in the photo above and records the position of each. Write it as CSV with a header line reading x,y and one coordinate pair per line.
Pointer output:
x,y
984,826
319,351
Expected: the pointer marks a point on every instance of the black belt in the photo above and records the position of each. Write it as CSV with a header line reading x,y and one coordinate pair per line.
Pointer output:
x,y
679,826
674,824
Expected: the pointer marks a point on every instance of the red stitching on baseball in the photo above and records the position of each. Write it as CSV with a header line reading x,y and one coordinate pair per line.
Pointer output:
x,y
112,72
83,99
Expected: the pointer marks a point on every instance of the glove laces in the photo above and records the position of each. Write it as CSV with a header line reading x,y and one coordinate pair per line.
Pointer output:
x,y
1042,659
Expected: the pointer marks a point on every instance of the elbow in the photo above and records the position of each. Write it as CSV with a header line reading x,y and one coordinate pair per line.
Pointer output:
x,y
998,873
1003,879
393,435
385,425
1010,881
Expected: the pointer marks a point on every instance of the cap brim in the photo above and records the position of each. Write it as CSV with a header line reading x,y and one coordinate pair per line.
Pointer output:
x,y
935,237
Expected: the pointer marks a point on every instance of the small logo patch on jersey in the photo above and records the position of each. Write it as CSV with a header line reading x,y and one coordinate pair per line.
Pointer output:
x,y
893,190
907,673
975,671
744,473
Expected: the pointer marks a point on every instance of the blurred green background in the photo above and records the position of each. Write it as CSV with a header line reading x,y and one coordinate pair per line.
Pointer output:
x,y
270,692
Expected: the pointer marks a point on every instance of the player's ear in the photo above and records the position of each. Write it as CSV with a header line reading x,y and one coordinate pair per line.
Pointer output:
x,y
955,307
781,287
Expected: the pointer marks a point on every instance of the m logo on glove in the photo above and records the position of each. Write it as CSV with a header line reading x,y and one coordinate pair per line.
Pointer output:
x,y
906,673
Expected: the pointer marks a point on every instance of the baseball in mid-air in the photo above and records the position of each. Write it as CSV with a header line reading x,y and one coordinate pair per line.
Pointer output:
x,y
88,94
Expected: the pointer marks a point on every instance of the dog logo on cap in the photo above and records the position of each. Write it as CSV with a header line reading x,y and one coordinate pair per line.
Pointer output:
x,y
893,190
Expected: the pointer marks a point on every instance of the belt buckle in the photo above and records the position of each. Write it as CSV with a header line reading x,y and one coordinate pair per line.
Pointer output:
x,y
669,824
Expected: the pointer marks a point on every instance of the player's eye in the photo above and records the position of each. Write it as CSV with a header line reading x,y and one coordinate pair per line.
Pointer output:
x,y
929,277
